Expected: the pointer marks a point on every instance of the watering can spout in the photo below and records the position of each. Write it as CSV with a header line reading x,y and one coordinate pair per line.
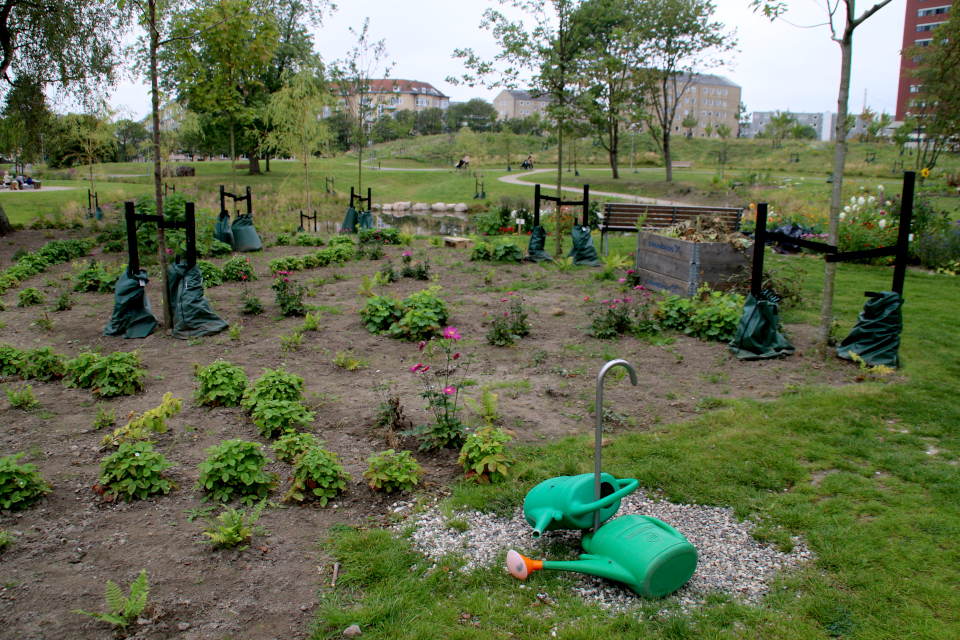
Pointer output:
x,y
545,517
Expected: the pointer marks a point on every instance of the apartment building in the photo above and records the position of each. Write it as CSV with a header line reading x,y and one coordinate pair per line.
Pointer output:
x,y
712,100
513,103
389,95
922,18
824,123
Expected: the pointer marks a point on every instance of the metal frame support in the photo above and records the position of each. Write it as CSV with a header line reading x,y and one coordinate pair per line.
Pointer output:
x,y
598,441
368,199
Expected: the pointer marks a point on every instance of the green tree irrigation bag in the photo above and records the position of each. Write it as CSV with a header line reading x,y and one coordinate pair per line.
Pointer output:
x,y
245,236
222,230
876,336
192,315
535,250
583,252
132,316
366,220
757,336
350,221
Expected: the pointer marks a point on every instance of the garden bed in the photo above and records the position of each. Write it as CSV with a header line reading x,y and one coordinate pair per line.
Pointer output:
x,y
68,545
679,267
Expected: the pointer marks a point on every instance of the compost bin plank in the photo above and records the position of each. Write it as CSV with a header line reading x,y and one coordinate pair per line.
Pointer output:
x,y
659,282
680,249
663,264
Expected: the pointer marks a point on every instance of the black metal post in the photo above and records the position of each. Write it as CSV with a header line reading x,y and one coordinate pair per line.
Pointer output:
x,y
536,206
133,257
369,199
759,242
351,196
903,234
223,200
586,205
96,201
191,233
249,203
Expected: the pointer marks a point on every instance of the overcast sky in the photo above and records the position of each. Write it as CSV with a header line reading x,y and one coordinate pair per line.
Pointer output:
x,y
778,65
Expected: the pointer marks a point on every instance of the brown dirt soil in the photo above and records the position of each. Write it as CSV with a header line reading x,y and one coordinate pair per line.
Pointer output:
x,y
69,544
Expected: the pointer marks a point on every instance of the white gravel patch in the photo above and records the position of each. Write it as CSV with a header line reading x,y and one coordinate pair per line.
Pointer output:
x,y
731,561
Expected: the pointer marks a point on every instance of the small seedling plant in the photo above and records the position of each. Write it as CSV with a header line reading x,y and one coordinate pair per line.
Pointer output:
x,y
390,471
238,269
20,484
292,444
484,457
317,475
486,409
235,527
289,294
140,427
29,297
250,304
123,609
346,360
120,373
509,325
22,397
6,540
441,390
221,384
134,472
234,468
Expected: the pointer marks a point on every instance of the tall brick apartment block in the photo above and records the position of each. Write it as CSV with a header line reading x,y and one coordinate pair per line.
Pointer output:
x,y
922,18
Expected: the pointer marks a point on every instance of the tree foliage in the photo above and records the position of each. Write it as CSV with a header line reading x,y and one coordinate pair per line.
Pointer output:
x,y
936,110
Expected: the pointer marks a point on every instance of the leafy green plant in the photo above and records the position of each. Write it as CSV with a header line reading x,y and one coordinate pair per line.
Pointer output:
x,y
386,274
221,384
123,609
380,313
424,313
442,393
6,540
287,264
486,409
311,322
307,240
234,527
22,397
234,331
346,360
91,277
238,269
390,471
44,322
274,417
293,443
291,342
482,251
64,301
20,484
104,418
509,326
506,252
212,274
134,471
152,421
43,363
674,312
289,294
29,297
378,236
120,373
250,304
341,241
716,316
235,468
317,474
611,263
273,384
435,241
484,457
376,252
563,264
12,360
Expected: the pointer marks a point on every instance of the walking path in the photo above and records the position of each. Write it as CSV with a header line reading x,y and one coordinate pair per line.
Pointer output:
x,y
515,179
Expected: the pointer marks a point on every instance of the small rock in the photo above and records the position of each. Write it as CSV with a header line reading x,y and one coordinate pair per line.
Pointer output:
x,y
352,631
303,607
557,311
183,626
143,621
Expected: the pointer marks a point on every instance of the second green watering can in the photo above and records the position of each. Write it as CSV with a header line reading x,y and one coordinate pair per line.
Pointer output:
x,y
567,502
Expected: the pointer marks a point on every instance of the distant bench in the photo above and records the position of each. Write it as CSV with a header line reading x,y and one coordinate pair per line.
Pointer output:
x,y
624,216
686,164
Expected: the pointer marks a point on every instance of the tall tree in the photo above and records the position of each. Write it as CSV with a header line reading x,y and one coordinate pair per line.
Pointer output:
x,y
353,79
93,137
847,13
779,126
681,42
542,45
294,115
690,123
130,135
611,53
26,117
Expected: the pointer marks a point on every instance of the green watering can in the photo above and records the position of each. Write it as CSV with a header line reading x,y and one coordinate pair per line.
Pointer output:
x,y
565,502
645,554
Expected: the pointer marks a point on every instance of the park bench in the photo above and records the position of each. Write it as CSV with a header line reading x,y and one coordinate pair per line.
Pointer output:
x,y
619,216
682,164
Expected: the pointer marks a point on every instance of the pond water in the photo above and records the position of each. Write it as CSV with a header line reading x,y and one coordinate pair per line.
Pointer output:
x,y
440,224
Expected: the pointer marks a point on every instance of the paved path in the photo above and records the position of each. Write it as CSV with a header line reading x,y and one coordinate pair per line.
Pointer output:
x,y
515,179
42,189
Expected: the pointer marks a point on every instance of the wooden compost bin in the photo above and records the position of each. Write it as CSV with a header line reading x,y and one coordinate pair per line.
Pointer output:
x,y
679,267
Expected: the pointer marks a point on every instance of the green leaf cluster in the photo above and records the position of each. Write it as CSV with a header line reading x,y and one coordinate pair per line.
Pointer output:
x,y
487,408
497,252
95,277
119,374
238,269
292,444
250,304
221,384
20,484
378,236
52,253
135,471
420,316
484,456
341,241
509,326
390,471
152,421
234,527
273,384
21,398
212,274
42,363
275,417
712,315
288,295
11,360
317,474
29,297
307,240
123,609
235,468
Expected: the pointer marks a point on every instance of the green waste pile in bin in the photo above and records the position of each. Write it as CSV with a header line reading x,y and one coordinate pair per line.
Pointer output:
x,y
222,230
132,315
350,221
757,336
245,236
876,336
583,252
192,315
366,220
535,250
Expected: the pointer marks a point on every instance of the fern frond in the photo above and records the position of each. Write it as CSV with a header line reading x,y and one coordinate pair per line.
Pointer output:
x,y
114,596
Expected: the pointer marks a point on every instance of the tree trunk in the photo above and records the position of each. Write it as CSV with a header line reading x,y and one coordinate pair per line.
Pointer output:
x,y
254,163
5,227
559,230
157,179
667,158
233,156
267,159
614,153
836,195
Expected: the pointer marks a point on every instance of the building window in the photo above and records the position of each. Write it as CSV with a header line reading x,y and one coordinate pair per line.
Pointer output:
x,y
914,88
543,104
693,89
923,43
928,27
936,11
703,114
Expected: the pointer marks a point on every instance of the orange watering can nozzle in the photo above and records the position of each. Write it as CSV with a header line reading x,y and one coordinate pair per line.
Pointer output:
x,y
520,566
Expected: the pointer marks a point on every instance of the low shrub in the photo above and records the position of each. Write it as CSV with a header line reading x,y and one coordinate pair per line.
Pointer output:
x,y
712,315
21,397
212,274
250,304
503,251
289,294
238,269
307,240
378,236
510,325
221,384
290,445
20,484
390,471
119,374
134,471
484,457
424,314
29,297
317,475
273,384
274,417
43,363
11,360
234,527
234,468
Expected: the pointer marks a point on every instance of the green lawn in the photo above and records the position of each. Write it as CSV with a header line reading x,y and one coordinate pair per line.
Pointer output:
x,y
883,524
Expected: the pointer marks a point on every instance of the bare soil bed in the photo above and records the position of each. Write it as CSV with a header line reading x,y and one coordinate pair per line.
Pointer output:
x,y
72,542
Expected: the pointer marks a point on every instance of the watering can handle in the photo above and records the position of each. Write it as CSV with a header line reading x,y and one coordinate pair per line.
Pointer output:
x,y
626,488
